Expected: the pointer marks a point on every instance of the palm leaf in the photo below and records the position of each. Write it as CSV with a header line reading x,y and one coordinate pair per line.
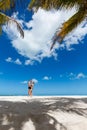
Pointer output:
x,y
69,25
6,4
48,4
4,18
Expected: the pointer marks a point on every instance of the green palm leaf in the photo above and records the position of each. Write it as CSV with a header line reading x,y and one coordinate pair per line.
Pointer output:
x,y
69,25
48,4
6,5
4,18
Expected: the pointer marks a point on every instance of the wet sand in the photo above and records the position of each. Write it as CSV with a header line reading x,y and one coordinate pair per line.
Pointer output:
x,y
43,113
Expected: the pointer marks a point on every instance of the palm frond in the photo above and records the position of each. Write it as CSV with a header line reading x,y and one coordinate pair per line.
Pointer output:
x,y
69,25
4,18
48,4
0,30
12,4
6,4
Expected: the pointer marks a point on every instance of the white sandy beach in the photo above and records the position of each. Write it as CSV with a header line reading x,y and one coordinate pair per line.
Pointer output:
x,y
43,113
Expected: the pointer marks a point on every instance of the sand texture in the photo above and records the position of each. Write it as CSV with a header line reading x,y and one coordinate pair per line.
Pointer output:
x,y
43,113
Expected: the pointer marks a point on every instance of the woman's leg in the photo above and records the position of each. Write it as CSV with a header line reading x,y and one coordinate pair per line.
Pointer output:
x,y
29,92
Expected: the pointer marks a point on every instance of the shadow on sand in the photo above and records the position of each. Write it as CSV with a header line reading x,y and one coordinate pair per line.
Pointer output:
x,y
18,113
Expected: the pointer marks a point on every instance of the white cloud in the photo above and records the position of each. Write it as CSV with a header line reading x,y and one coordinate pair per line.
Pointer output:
x,y
17,61
81,76
37,41
73,76
35,80
29,62
35,44
9,59
47,78
24,82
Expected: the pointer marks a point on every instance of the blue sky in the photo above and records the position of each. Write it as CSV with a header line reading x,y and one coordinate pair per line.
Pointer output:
x,y
60,72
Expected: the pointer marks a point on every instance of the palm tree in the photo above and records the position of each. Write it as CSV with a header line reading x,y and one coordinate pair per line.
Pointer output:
x,y
71,23
4,6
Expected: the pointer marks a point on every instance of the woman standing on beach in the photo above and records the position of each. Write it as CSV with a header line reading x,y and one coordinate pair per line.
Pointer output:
x,y
30,87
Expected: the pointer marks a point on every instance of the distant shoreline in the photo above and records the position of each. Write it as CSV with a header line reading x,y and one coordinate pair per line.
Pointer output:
x,y
22,98
46,95
59,95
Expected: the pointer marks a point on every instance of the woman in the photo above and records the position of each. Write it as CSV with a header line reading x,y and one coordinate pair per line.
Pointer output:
x,y
30,87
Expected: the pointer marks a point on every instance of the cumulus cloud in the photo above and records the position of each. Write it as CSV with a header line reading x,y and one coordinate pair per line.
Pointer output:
x,y
35,80
47,78
38,35
17,61
24,82
9,59
81,75
29,62
73,76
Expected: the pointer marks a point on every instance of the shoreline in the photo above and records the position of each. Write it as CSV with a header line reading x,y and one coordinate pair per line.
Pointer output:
x,y
23,98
